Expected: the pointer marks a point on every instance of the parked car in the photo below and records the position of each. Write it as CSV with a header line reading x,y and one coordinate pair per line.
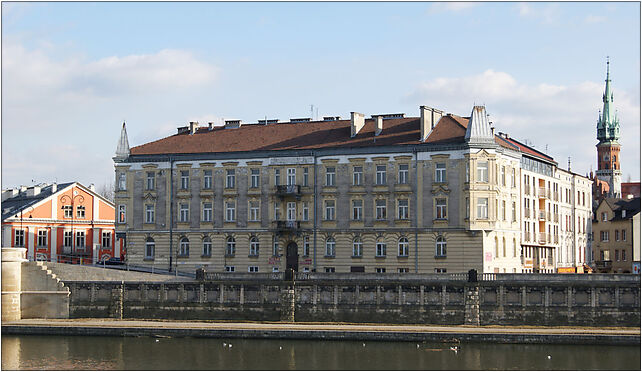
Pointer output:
x,y
111,261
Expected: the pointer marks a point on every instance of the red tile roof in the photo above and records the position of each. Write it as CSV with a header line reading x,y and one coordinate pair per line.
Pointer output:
x,y
308,135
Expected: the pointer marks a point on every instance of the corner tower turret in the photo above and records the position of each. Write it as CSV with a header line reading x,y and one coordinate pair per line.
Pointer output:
x,y
122,151
608,147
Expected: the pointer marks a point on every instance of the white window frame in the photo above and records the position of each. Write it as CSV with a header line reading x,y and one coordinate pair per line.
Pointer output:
x,y
207,247
184,180
229,269
403,211
482,171
255,178
207,179
305,176
403,247
291,176
150,248
151,178
19,238
330,175
106,239
149,213
306,246
357,247
183,247
80,239
380,249
329,210
482,208
184,212
67,238
252,269
230,246
68,211
441,208
380,174
291,211
357,175
230,178
255,210
277,177
306,211
440,246
80,211
330,247
230,211
122,213
207,211
357,209
440,172
122,181
254,246
380,209
403,174
275,246
43,238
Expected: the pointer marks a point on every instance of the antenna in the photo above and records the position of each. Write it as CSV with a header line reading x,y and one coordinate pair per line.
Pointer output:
x,y
311,111
546,148
569,163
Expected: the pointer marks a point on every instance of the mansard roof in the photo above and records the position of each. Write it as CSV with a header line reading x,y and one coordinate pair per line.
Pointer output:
x,y
530,151
20,202
451,129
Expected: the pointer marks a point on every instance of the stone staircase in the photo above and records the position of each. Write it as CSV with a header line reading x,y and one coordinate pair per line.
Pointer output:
x,y
43,294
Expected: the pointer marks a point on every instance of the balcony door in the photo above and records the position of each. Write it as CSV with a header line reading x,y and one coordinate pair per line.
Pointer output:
x,y
292,257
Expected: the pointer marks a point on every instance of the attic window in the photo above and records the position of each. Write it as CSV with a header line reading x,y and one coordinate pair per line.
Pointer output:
x,y
331,118
624,213
300,120
268,121
390,116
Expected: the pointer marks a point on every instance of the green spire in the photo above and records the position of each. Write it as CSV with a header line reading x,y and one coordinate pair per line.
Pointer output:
x,y
608,126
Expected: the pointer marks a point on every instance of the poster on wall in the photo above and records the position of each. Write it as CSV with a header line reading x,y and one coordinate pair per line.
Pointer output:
x,y
636,268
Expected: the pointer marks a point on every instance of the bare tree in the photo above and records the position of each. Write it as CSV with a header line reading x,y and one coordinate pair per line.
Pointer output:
x,y
106,190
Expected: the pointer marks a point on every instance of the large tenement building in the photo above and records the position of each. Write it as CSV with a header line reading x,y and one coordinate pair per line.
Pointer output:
x,y
390,193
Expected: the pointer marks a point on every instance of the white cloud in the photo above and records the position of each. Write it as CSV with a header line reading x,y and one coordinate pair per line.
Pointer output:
x,y
562,117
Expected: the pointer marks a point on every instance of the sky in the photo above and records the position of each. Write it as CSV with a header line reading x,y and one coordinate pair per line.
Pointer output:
x,y
73,72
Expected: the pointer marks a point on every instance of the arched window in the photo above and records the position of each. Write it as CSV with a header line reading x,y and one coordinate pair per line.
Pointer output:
x,y
357,247
381,248
503,247
254,246
230,248
330,245
440,247
403,247
496,247
514,247
207,246
150,248
184,247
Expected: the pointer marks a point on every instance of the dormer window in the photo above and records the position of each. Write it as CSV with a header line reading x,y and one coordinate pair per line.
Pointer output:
x,y
624,213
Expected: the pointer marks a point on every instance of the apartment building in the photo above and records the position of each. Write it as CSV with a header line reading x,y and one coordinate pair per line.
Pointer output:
x,y
616,243
434,193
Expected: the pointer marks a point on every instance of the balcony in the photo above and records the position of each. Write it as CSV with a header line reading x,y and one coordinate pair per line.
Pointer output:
x,y
557,218
542,193
527,189
288,190
527,213
541,215
542,238
77,251
288,225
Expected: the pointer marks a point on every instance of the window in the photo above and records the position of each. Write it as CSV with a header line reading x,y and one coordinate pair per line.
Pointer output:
x,y
255,178
275,246
357,247
441,209
183,247
503,176
617,255
623,235
329,269
150,247
291,211
121,214
184,180
150,181
605,216
440,172
482,171
149,213
357,176
230,211
329,210
254,211
503,247
184,212
381,174
207,246
291,180
482,207
467,207
403,270
329,176
306,211
207,212
230,179
514,247
277,177
440,247
380,249
403,247
122,182
68,239
254,246
504,210
440,271
42,238
306,246
229,269
512,178
624,255
68,212
380,270
514,211
277,211
19,238
80,239
617,235
207,179
604,236
106,239
402,210
230,246
80,211
330,246
467,172
357,208
276,269
380,209
403,173
305,176
252,269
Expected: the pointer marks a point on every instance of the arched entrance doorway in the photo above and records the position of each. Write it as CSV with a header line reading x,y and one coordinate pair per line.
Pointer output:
x,y
292,257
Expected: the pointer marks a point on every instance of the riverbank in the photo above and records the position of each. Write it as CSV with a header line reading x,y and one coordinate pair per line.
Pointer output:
x,y
324,331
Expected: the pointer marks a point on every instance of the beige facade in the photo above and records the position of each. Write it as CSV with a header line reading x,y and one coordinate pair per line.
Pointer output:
x,y
614,235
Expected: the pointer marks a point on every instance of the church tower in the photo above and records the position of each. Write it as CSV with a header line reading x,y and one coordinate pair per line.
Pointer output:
x,y
608,147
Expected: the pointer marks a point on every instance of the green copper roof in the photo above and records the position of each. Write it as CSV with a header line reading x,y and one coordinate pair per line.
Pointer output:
x,y
608,125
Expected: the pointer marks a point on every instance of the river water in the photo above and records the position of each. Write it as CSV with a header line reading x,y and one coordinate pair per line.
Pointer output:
x,y
151,353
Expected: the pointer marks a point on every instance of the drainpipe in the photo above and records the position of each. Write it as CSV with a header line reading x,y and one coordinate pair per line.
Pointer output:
x,y
314,245
414,152
171,210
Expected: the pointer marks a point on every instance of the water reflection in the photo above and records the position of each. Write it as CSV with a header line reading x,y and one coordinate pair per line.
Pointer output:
x,y
158,353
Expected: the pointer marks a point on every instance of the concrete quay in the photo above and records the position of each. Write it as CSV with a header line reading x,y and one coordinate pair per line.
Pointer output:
x,y
323,331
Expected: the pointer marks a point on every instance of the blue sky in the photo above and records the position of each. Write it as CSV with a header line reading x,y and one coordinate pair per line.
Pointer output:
x,y
72,72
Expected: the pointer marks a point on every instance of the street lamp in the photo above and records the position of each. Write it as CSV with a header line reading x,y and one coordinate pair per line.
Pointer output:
x,y
71,199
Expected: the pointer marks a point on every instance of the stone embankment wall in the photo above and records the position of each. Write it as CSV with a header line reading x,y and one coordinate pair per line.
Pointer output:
x,y
498,299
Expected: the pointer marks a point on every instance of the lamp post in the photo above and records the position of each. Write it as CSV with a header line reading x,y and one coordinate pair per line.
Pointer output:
x,y
71,199
24,236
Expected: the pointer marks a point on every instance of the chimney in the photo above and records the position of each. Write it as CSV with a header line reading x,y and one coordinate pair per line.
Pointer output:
x,y
10,193
92,187
378,124
429,118
193,126
23,188
54,188
357,121
33,191
232,124
210,125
